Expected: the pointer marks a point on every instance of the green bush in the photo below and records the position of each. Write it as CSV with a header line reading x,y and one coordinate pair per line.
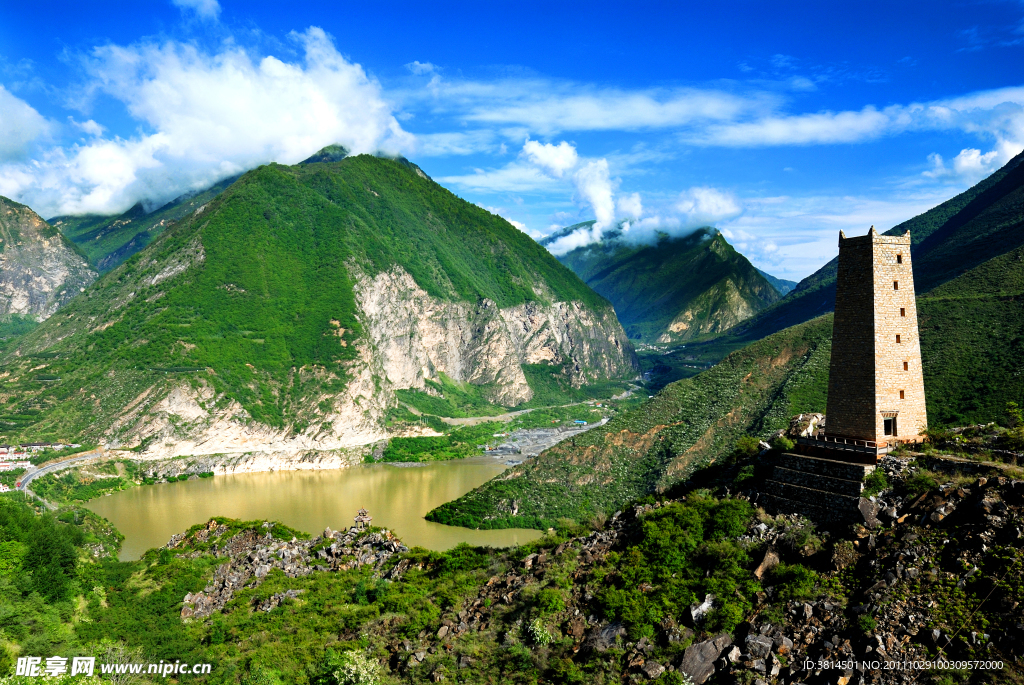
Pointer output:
x,y
685,551
875,483
748,446
782,444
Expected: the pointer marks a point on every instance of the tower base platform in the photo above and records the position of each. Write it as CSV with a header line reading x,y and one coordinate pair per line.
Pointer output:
x,y
825,490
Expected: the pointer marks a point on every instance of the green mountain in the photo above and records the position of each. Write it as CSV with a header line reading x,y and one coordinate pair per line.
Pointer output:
x,y
674,290
972,344
108,240
289,311
782,285
980,223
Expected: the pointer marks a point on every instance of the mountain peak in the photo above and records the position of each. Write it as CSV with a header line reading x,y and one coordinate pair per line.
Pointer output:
x,y
327,155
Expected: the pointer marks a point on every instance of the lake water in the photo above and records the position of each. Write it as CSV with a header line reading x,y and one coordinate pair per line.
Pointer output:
x,y
397,498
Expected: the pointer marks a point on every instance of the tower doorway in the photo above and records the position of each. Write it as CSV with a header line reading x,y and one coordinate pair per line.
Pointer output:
x,y
890,426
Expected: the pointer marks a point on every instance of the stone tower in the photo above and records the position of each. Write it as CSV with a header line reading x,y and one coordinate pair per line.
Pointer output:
x,y
875,384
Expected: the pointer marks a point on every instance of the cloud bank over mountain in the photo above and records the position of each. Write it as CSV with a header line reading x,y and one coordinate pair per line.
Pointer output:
x,y
203,116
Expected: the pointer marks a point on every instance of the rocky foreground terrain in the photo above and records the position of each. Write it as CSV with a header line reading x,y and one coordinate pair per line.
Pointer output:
x,y
929,588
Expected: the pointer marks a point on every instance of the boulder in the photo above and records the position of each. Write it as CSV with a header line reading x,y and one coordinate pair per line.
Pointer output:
x,y
770,561
653,670
699,659
759,646
699,611
601,639
868,513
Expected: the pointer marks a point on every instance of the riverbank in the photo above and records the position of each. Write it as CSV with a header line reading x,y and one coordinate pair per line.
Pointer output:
x,y
309,500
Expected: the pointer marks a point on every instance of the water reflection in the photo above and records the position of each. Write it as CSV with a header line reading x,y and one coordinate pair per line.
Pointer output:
x,y
310,500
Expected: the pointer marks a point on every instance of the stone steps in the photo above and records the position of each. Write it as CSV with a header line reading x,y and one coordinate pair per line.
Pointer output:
x,y
825,467
820,489
852,488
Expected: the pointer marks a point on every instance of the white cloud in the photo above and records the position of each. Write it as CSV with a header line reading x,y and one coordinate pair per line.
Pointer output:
x,y
823,127
629,206
792,236
554,159
88,127
20,126
206,9
456,143
706,206
594,186
212,115
970,166
995,114
548,106
516,177
421,68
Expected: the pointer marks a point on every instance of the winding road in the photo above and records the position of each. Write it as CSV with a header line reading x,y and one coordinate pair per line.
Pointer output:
x,y
53,467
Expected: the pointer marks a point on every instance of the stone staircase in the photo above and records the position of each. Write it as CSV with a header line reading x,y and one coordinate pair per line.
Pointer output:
x,y
821,489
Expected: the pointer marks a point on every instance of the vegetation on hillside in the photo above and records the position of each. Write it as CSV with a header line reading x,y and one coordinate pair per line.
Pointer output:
x,y
252,299
676,289
687,425
972,344
614,601
108,240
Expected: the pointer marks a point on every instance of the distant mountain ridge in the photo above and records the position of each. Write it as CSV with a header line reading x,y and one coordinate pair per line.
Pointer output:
x,y
288,312
108,240
675,290
783,286
948,240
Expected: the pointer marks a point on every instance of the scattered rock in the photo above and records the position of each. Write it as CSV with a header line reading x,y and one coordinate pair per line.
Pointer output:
x,y
699,659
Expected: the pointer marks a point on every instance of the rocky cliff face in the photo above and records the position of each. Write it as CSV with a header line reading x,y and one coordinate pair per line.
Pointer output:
x,y
410,337
256,325
39,270
416,337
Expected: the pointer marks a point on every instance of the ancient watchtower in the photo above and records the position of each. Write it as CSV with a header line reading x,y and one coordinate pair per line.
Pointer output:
x,y
875,384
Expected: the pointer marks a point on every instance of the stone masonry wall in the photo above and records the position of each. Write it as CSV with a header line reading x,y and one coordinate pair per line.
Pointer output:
x,y
890,377
851,378
874,304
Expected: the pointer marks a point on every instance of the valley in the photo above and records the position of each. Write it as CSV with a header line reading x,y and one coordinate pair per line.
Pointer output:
x,y
311,340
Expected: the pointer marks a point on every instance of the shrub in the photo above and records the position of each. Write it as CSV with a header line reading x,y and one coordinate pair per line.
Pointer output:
x,y
866,623
550,601
354,668
748,446
793,581
875,483
782,444
539,633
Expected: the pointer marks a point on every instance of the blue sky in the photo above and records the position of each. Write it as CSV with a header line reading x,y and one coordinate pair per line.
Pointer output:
x,y
780,123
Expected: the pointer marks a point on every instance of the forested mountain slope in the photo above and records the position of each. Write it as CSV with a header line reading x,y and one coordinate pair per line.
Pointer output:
x,y
972,347
674,290
286,313
108,240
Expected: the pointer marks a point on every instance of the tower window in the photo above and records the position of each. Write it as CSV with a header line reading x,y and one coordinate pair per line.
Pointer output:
x,y
895,285
899,259
906,366
901,395
897,338
903,311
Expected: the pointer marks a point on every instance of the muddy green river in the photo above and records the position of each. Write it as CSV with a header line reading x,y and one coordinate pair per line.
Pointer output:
x,y
397,498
